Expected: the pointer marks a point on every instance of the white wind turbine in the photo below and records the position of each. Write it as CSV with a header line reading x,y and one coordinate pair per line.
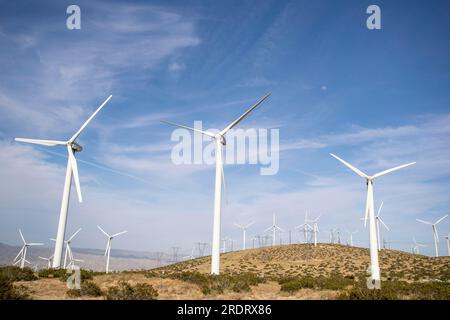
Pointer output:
x,y
435,233
244,230
220,142
22,255
108,244
274,227
379,220
72,260
315,228
305,227
68,253
49,261
370,212
72,170
417,246
351,233
447,237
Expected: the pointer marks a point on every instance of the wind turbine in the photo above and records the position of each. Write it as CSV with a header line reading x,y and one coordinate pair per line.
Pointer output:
x,y
351,233
220,142
379,220
108,244
244,229
370,212
22,255
72,260
417,246
435,233
332,236
68,248
315,228
447,237
49,261
274,227
305,227
72,170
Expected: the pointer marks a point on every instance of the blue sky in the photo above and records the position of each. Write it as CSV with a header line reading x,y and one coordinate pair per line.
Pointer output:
x,y
376,98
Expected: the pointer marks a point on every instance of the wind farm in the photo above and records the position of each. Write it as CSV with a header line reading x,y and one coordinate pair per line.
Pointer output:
x,y
334,145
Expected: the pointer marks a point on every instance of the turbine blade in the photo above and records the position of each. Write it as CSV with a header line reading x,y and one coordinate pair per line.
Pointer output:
x,y
35,244
103,231
21,235
107,247
74,167
354,169
50,143
366,213
235,122
382,222
423,221
20,252
119,233
379,174
224,184
379,209
73,236
268,229
441,219
72,139
250,224
206,133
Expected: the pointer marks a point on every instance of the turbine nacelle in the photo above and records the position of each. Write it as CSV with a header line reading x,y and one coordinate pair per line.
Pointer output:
x,y
76,147
222,139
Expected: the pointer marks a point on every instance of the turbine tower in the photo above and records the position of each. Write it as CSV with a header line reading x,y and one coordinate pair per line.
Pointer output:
x,y
274,227
370,212
72,170
22,255
435,233
379,220
447,237
108,244
220,142
244,230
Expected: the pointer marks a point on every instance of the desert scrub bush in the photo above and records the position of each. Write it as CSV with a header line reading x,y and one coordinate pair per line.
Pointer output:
x,y
88,289
321,283
13,273
52,273
9,292
64,274
209,284
125,291
394,290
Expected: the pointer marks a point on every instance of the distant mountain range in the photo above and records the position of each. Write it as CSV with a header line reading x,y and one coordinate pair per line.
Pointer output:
x,y
93,258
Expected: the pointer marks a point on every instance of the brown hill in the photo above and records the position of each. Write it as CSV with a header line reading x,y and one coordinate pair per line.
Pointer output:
x,y
327,271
